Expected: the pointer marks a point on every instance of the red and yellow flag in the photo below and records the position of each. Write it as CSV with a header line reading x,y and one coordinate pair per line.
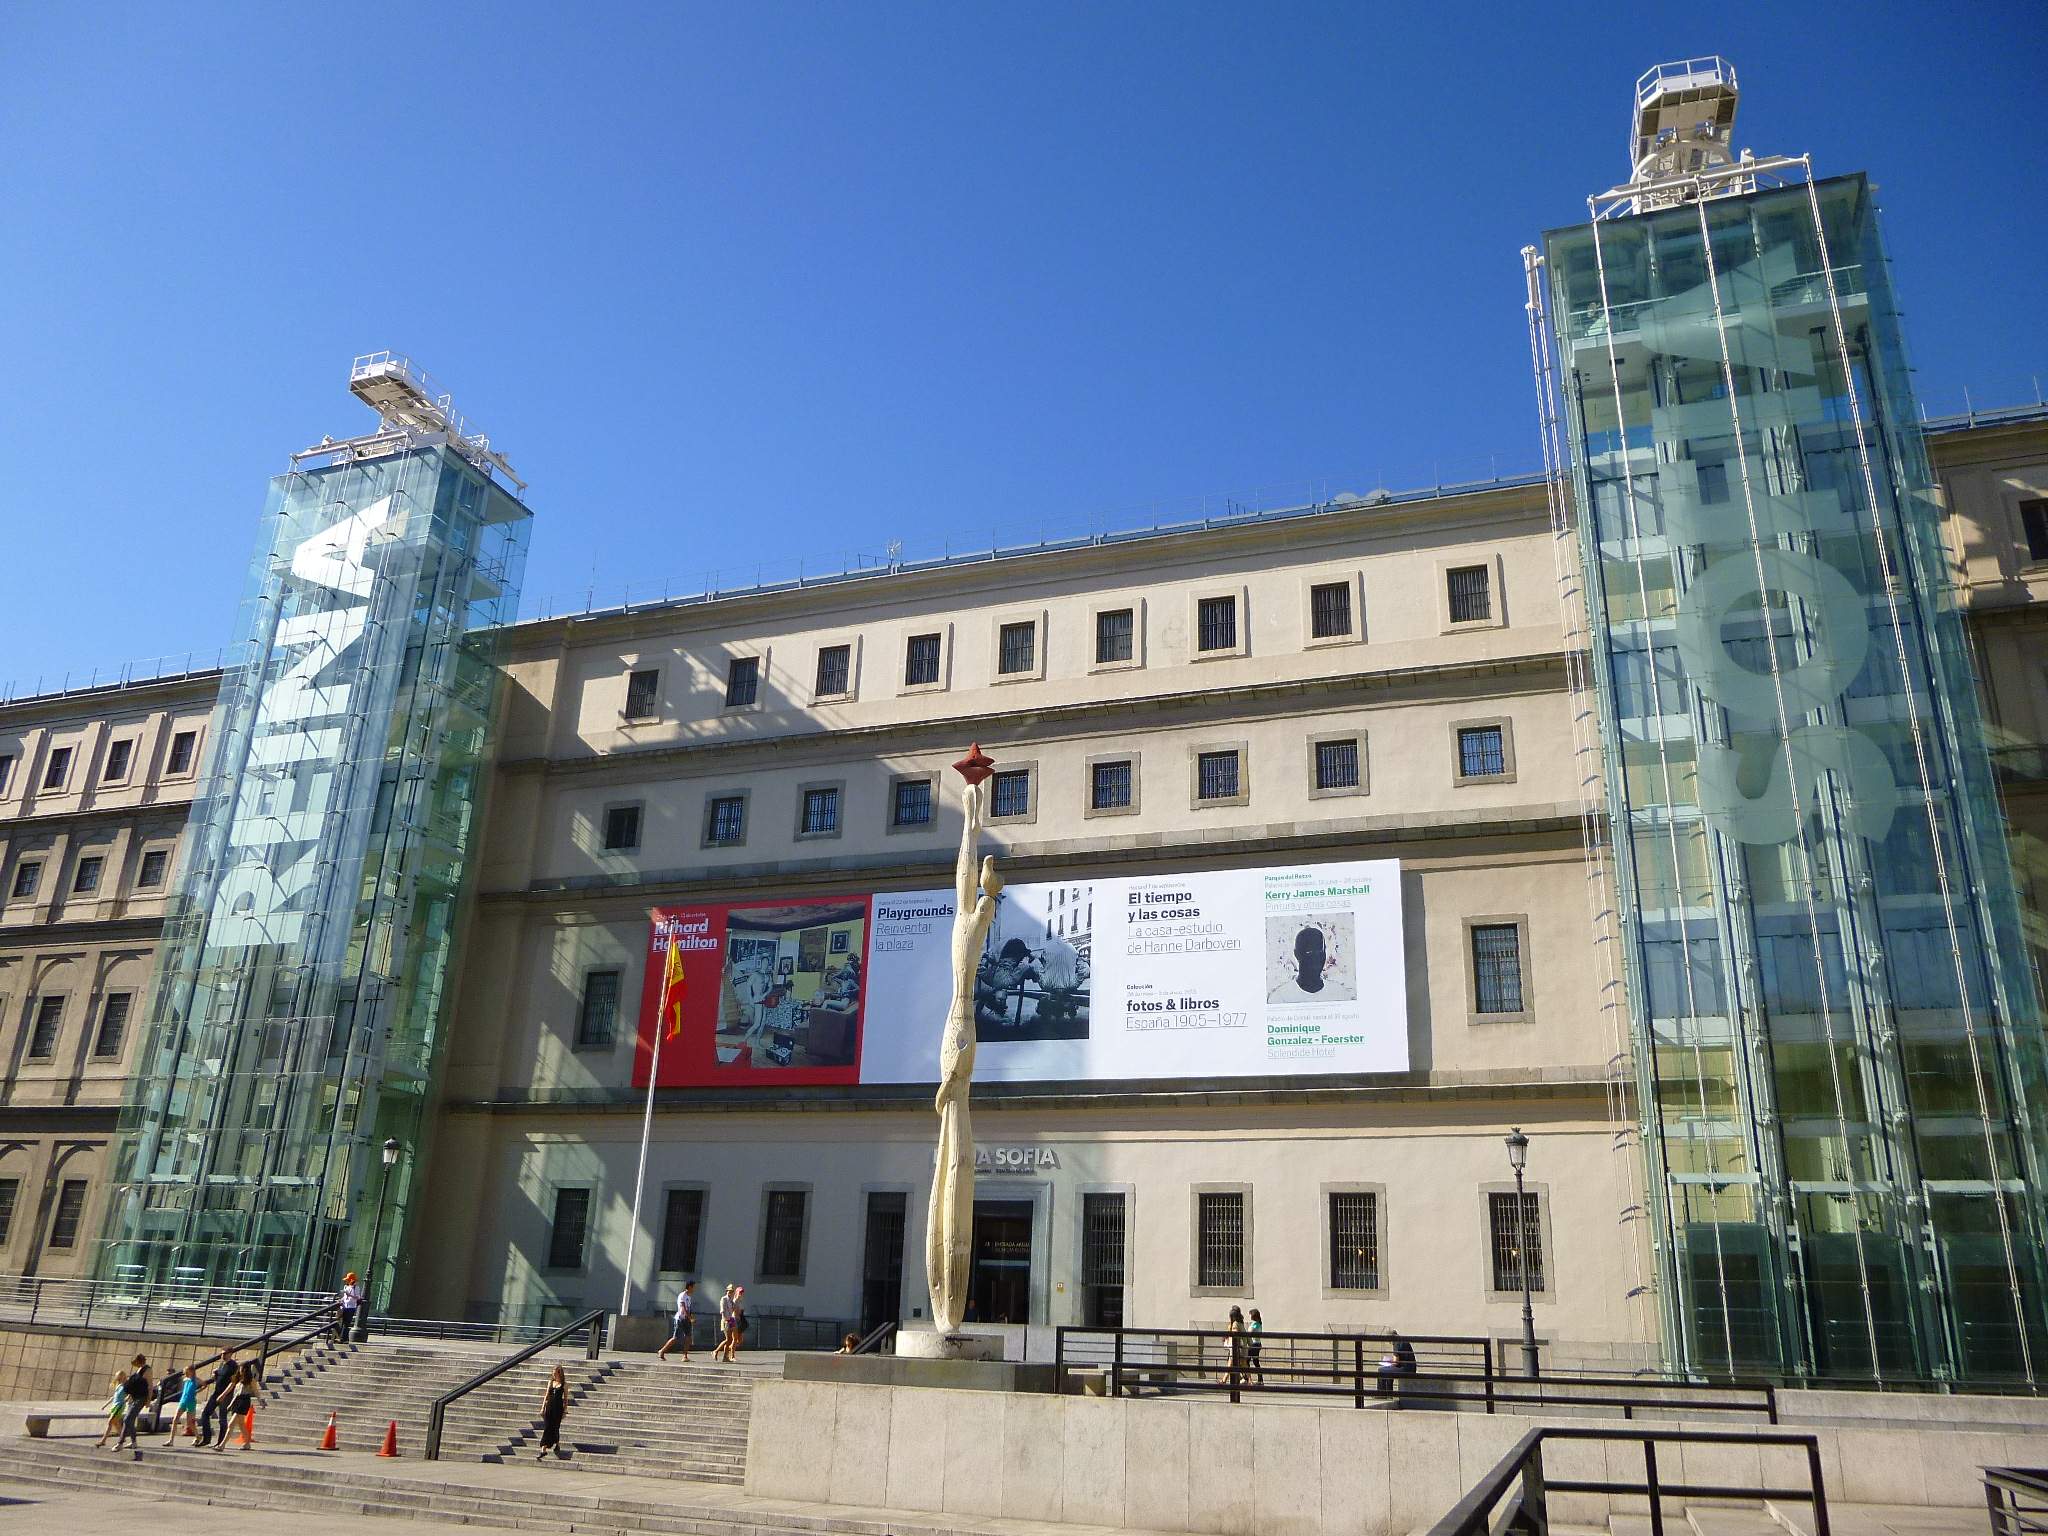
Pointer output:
x,y
672,990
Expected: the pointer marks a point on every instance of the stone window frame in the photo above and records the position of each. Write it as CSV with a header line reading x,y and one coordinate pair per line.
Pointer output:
x,y
1520,920
639,826
944,680
1136,607
168,847
761,656
1364,785
191,769
57,765
35,884
1039,619
576,1040
126,1035
9,761
1460,778
1029,815
1496,594
1078,1230
1243,796
127,773
35,1012
668,1187
2018,504
547,1265
633,670
803,793
1355,580
803,1244
1380,1224
853,659
913,827
745,798
1242,594
1541,1190
95,858
1195,1286
1089,810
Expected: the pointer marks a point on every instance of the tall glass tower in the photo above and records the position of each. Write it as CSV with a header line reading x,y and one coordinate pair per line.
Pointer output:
x,y
1837,1044
298,1016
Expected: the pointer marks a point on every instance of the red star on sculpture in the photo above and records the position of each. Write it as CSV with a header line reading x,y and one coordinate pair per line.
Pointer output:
x,y
976,765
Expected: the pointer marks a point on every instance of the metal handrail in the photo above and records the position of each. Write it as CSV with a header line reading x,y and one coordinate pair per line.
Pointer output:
x,y
2017,1498
326,1318
436,1415
878,1335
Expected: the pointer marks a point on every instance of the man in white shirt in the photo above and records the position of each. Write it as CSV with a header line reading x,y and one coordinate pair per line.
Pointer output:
x,y
680,1325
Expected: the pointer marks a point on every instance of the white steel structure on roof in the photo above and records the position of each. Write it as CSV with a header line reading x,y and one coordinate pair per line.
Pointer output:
x,y
1684,121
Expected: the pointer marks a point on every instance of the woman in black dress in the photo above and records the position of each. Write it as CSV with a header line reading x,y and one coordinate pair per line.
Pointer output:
x,y
554,1406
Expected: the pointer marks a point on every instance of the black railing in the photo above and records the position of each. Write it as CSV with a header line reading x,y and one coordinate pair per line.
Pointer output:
x,y
2018,1499
591,1322
879,1335
1514,1496
1444,1371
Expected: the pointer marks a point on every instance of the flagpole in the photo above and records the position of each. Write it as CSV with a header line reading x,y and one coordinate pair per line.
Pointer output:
x,y
646,1131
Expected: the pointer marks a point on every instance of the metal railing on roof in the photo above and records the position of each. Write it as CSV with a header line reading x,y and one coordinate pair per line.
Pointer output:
x,y
126,674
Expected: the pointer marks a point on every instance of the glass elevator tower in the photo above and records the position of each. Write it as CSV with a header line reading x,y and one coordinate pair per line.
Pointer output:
x,y
1837,1043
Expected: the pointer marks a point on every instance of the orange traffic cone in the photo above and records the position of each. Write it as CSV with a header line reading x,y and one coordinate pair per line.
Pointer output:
x,y
248,1428
390,1447
190,1427
327,1440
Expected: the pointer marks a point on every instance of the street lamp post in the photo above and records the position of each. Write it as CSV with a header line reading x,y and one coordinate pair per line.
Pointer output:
x,y
391,1151
1518,1157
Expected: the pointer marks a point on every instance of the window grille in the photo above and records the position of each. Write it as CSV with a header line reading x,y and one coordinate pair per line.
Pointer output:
x,y
1115,628
1102,1239
621,828
835,670
572,1224
182,745
1497,967
26,875
1216,624
742,681
151,875
1109,786
782,1235
1336,765
640,688
1517,1232
2034,523
1018,648
726,819
118,754
1481,752
1010,792
1354,1241
1329,610
42,1038
921,661
1219,1239
913,802
10,1191
821,810
87,878
679,1231
58,768
1216,775
113,1024
597,1019
1471,593
70,1207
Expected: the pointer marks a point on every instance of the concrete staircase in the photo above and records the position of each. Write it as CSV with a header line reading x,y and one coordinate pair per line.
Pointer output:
x,y
659,1419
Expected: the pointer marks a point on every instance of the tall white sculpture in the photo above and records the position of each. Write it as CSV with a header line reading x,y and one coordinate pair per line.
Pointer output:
x,y
949,1231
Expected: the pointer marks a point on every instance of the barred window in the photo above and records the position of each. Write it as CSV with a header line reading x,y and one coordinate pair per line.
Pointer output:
x,y
1115,629
113,1024
1216,624
835,670
680,1227
821,810
1481,752
87,878
1102,1238
1337,764
725,819
182,747
1471,593
913,806
154,862
1017,648
70,1208
1010,792
921,661
1329,610
597,1017
10,1192
571,1227
1354,1241
621,828
1219,1238
742,681
640,687
1497,968
1216,775
1517,1235
26,874
119,754
782,1236
49,1021
1109,785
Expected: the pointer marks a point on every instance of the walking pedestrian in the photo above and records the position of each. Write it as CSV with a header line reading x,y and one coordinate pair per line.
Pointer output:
x,y
136,1388
554,1407
684,1320
739,1322
725,1307
117,1409
1234,1331
241,1404
218,1398
1252,1346
350,1301
187,1411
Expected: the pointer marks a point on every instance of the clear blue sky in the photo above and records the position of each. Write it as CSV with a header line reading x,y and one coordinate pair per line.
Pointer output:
x,y
735,285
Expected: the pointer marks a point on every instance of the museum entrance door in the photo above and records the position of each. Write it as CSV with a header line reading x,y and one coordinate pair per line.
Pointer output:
x,y
999,1281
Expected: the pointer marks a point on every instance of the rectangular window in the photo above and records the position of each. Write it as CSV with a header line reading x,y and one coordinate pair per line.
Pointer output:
x,y
70,1208
1337,764
572,1225
921,661
742,681
821,810
119,755
10,1192
1115,629
1017,648
680,1226
913,803
1009,792
640,689
1481,752
782,1236
86,879
113,1024
2034,524
725,820
154,862
621,828
57,769
597,1017
1354,1241
1329,610
42,1035
1497,968
1109,785
1713,484
1471,593
1216,624
6,770
1216,775
182,746
835,669
1517,1237
1102,1259
26,874
1219,1239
